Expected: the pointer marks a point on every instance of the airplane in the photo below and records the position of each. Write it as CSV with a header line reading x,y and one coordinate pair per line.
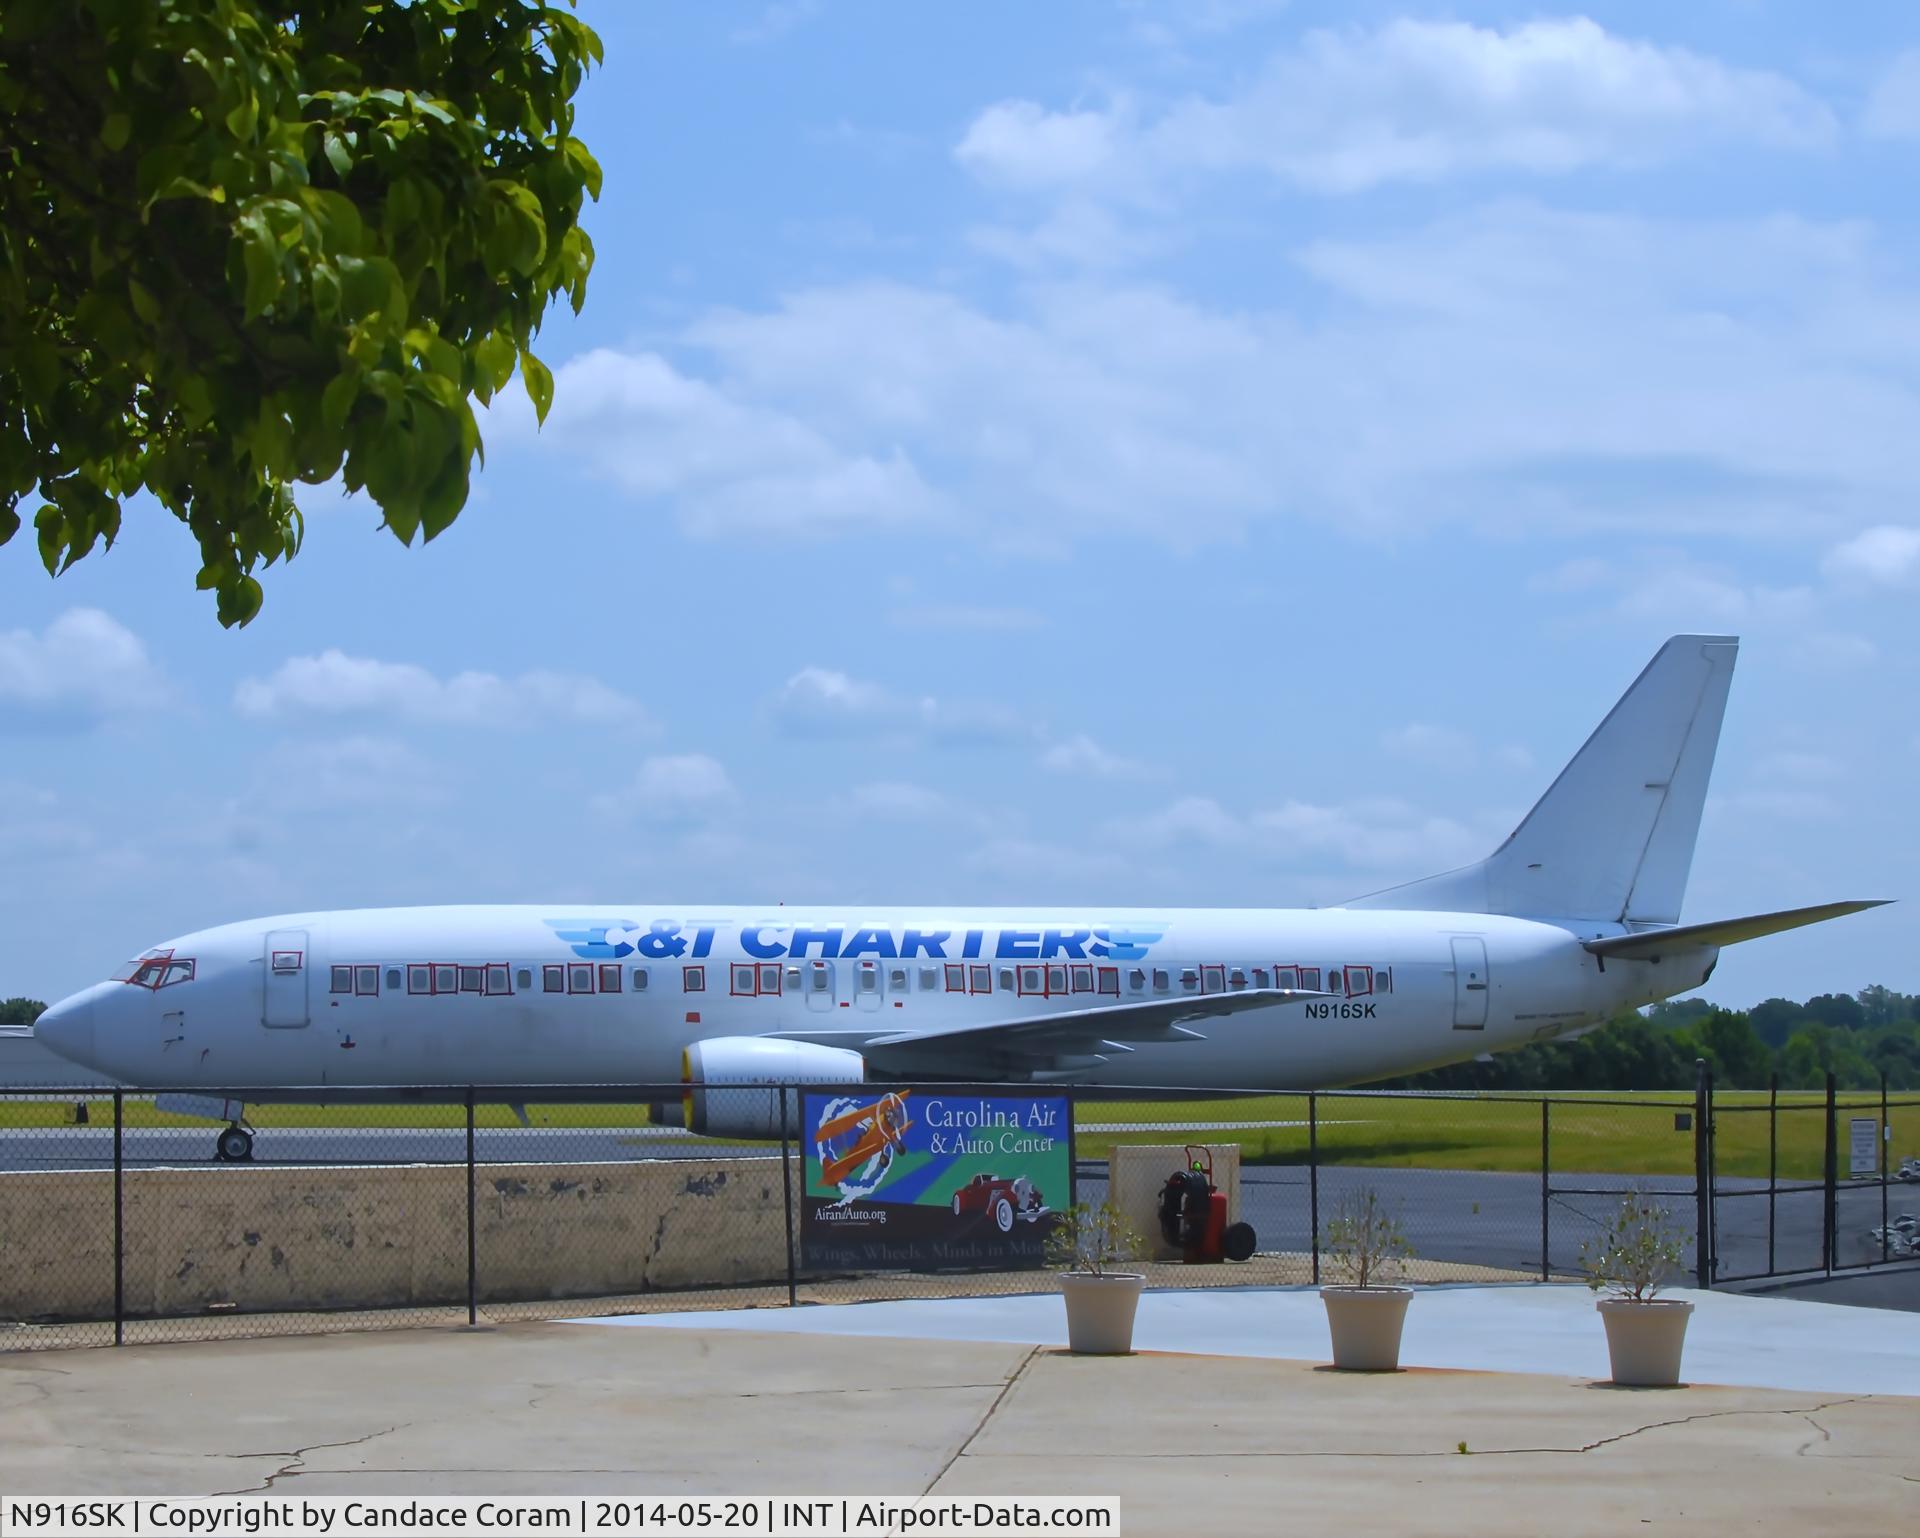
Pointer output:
x,y
885,1124
1575,917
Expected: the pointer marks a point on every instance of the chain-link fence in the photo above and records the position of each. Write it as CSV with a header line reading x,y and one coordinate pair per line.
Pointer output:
x,y
124,1219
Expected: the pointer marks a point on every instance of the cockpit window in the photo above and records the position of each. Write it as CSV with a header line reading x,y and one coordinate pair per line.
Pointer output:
x,y
156,969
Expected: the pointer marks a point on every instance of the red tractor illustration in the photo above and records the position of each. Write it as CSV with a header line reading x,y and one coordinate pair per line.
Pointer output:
x,y
1000,1199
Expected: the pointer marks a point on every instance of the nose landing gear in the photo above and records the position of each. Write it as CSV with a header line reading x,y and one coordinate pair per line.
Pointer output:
x,y
234,1146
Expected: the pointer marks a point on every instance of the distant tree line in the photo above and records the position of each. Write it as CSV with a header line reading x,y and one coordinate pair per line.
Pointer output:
x,y
20,1011
1856,1037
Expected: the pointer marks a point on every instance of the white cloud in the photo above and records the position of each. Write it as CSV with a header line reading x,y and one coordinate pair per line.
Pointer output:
x,y
727,467
776,21
1022,144
84,663
1889,555
1511,366
1373,836
355,770
1411,100
672,787
824,702
1893,108
334,683
1438,747
1082,757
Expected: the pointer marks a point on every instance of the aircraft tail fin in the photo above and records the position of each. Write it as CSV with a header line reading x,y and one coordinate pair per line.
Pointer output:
x,y
1612,839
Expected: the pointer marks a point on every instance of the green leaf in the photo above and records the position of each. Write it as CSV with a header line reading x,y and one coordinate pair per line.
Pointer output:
x,y
116,130
336,401
337,153
144,304
539,382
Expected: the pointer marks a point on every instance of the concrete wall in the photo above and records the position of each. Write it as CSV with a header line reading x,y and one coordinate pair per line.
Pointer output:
x,y
265,1238
1136,1173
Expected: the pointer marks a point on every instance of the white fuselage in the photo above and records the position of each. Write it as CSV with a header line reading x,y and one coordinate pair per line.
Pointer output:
x,y
526,995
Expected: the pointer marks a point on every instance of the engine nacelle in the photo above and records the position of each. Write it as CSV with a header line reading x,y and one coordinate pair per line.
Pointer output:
x,y
747,1066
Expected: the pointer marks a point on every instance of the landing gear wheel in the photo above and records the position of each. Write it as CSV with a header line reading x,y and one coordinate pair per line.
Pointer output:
x,y
1003,1214
1237,1242
234,1146
956,1204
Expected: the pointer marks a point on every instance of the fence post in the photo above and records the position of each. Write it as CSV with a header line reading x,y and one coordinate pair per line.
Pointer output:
x,y
786,1183
1546,1113
473,1246
1885,1142
1702,1175
119,1219
1313,1178
1773,1158
1829,1244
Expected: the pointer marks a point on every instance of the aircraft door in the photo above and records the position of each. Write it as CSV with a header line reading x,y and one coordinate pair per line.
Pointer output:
x,y
287,966
1469,983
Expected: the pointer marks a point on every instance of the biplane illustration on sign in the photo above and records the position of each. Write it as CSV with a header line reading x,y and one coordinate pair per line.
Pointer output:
x,y
930,1178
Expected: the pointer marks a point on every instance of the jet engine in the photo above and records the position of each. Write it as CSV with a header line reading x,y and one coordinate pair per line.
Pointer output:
x,y
729,1081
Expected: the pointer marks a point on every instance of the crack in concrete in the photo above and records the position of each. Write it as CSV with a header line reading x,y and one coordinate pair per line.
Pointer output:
x,y
295,1460
1491,1452
980,1425
1805,1447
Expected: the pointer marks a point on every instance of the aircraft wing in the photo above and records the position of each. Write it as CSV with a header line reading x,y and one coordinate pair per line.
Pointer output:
x,y
1659,942
1076,1038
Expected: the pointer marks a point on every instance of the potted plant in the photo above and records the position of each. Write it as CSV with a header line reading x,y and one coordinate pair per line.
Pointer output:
x,y
1366,1245
1088,1243
1635,1253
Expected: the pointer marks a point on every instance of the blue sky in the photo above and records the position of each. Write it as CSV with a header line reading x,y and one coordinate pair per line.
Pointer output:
x,y
1227,452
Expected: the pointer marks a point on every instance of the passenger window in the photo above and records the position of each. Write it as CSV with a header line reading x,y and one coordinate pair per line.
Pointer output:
x,y
1213,979
693,979
366,980
579,977
743,980
553,978
609,977
1310,979
419,979
1160,979
343,979
821,977
1136,979
523,979
869,977
1383,979
770,977
393,979
1189,978
1110,981
499,977
446,979
472,979
1006,979
956,977
929,977
897,979
1359,981
1259,977
1056,979
980,979
1030,980
639,979
1083,979
1286,977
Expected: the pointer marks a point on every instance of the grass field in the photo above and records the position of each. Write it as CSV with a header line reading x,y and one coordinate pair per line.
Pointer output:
x,y
1614,1133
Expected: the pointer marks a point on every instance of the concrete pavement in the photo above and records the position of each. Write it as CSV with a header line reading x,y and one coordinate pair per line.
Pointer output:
x,y
1193,1444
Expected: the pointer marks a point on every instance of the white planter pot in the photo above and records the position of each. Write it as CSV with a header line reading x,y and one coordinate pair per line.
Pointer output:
x,y
1100,1311
1365,1323
1644,1340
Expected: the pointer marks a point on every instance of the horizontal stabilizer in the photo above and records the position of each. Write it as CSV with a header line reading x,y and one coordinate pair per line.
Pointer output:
x,y
1659,942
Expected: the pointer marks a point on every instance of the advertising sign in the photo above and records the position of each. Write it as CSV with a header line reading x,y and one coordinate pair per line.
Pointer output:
x,y
1863,1145
930,1178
